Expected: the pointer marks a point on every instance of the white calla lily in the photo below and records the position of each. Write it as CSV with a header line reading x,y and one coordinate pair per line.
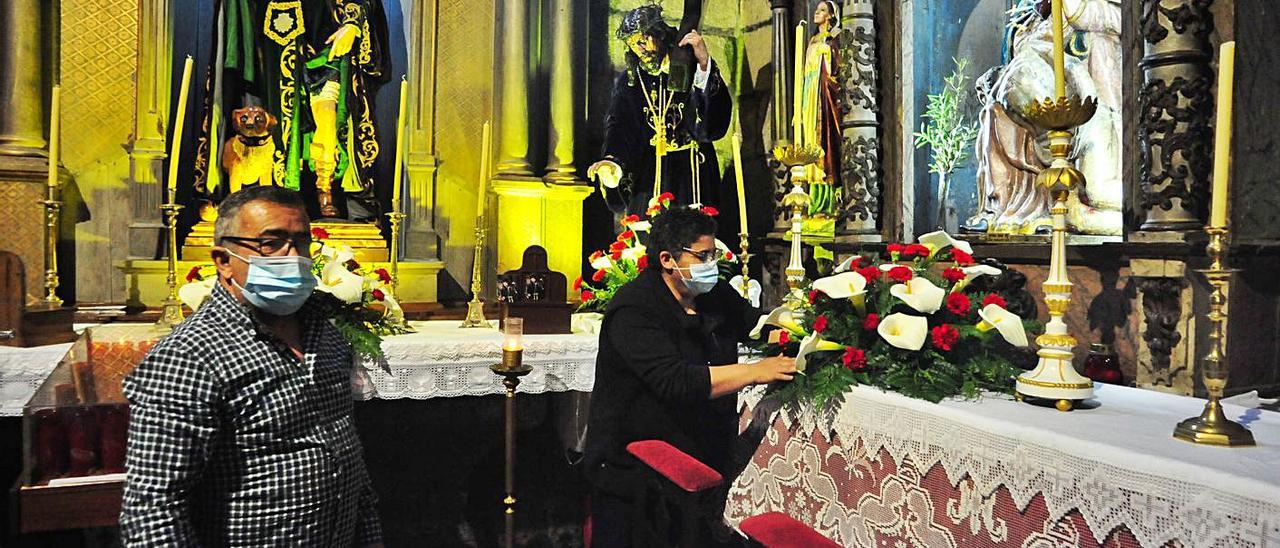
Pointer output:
x,y
939,240
393,311
1008,324
752,291
336,280
847,264
640,226
602,262
971,272
633,253
842,286
920,294
781,317
193,294
814,343
904,330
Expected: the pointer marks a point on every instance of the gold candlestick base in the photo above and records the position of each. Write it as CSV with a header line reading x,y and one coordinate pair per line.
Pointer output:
x,y
1213,427
171,315
52,209
475,308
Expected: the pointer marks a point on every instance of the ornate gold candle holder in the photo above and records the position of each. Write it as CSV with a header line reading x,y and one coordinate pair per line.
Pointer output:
x,y
796,158
396,218
475,308
52,212
1213,427
171,314
1055,378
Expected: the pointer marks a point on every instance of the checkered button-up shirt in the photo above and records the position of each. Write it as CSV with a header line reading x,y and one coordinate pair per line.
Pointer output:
x,y
233,441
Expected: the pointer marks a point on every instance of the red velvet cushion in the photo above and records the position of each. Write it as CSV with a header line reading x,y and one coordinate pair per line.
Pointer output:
x,y
778,530
676,465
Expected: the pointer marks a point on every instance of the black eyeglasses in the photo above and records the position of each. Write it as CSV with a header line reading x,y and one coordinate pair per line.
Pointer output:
x,y
708,256
273,245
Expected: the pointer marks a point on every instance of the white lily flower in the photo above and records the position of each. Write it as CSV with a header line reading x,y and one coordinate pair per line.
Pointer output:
x,y
920,294
814,343
602,262
971,272
337,253
938,240
842,286
752,292
1008,324
904,331
640,226
336,280
193,294
633,253
781,317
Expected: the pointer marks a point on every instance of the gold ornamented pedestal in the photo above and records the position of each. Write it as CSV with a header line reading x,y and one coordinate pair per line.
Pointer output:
x,y
1055,378
797,158
364,238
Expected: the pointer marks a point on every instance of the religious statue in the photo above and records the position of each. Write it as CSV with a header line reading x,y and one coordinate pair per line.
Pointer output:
x,y
1011,150
661,123
297,78
820,110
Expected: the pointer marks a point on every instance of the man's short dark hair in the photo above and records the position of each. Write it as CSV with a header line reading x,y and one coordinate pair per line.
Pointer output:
x,y
646,20
677,228
229,209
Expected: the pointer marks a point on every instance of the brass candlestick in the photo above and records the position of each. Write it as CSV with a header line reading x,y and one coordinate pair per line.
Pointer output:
x,y
475,308
171,315
52,211
1055,378
511,369
744,248
1213,427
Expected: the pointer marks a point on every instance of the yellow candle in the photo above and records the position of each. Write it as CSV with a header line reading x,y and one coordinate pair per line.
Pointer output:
x,y
484,170
742,191
398,180
1222,135
798,84
55,130
1059,59
180,116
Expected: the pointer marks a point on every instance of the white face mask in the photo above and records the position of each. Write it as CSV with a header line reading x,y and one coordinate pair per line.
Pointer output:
x,y
277,285
702,277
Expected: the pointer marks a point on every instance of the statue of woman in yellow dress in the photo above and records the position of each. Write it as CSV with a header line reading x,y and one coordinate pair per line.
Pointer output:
x,y
820,109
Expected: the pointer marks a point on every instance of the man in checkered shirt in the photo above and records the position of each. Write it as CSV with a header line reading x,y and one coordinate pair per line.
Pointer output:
x,y
240,431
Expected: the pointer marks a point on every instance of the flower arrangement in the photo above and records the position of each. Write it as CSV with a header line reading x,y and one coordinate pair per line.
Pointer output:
x,y
909,322
627,257
355,297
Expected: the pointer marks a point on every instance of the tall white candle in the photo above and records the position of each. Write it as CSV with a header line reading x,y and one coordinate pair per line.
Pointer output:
x,y
398,180
742,191
1059,52
484,170
798,84
55,138
180,116
1222,135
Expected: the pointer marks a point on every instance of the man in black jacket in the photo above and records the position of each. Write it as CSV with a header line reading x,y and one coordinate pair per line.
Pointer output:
x,y
694,104
668,357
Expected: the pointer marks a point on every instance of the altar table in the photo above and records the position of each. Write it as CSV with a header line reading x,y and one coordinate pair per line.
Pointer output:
x,y
886,470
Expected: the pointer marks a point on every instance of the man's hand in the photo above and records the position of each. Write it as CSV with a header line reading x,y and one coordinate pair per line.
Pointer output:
x,y
776,368
607,172
694,40
341,40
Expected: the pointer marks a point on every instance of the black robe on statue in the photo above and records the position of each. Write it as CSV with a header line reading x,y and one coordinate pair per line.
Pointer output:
x,y
700,116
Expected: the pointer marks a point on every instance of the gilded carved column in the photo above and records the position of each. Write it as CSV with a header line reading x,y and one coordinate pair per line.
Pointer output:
x,y
22,121
860,150
147,150
1166,348
560,135
421,239
1175,105
513,117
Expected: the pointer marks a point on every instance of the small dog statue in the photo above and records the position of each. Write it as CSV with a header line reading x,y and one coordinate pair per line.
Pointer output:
x,y
248,156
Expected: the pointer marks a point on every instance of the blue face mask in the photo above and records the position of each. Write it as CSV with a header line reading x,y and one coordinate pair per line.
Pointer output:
x,y
702,277
277,285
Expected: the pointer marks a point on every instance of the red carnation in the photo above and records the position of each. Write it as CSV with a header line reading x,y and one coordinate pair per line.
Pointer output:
x,y
577,284
665,198
383,275
901,274
194,274
599,276
958,303
813,296
617,246
378,294
855,359
871,322
994,299
871,273
961,258
626,235
820,324
895,248
587,295
855,262
710,211
653,210
595,256
917,250
616,255
319,233
953,275
944,336
784,338
630,219
728,255
643,262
